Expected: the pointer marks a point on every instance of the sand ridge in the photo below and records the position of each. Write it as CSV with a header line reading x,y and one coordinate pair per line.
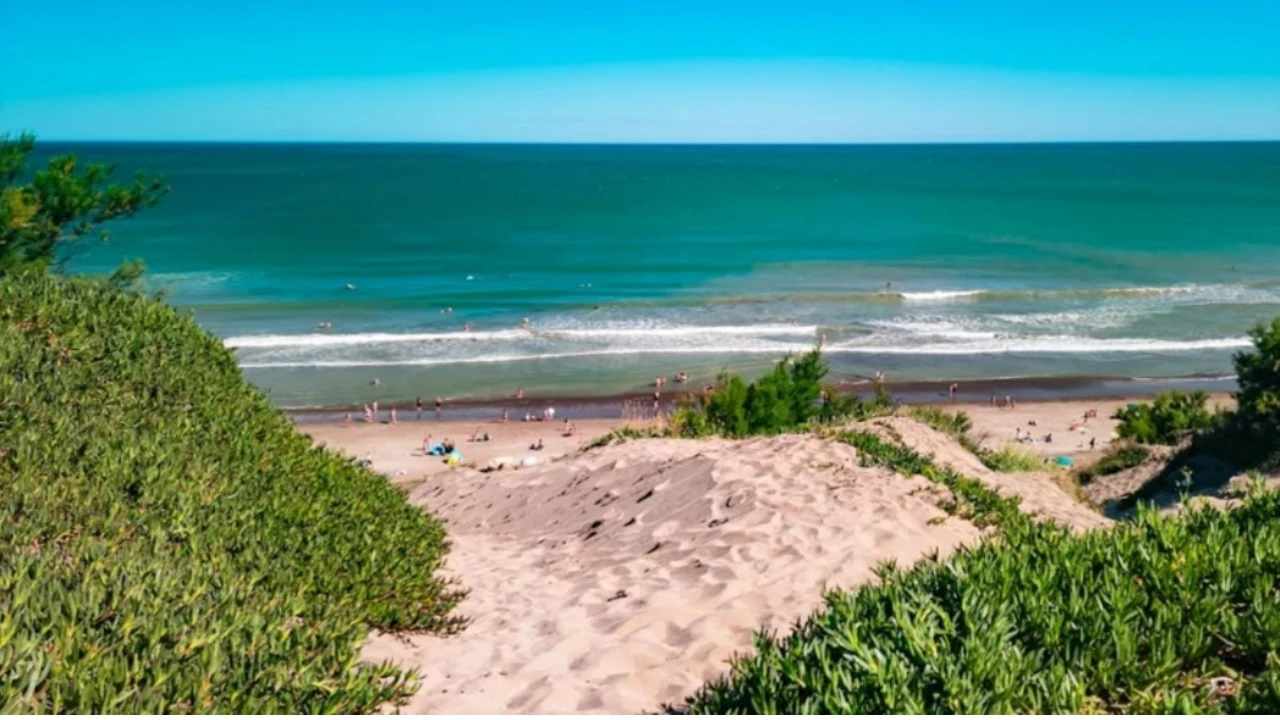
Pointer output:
x,y
1041,496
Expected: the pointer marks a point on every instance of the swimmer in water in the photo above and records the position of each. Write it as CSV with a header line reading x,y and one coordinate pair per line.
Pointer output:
x,y
524,324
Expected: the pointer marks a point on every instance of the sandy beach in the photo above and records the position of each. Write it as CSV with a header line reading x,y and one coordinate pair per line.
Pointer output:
x,y
621,578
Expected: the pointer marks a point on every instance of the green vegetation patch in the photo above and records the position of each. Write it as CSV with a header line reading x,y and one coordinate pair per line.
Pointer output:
x,y
959,426
791,397
971,499
1117,458
1012,459
170,543
1164,614
1168,419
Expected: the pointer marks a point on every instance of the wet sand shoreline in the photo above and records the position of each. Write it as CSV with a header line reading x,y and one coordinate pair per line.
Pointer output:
x,y
639,405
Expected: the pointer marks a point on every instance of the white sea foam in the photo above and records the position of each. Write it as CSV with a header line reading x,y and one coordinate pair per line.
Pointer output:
x,y
328,340
940,295
189,280
323,340
873,345
1193,293
1046,344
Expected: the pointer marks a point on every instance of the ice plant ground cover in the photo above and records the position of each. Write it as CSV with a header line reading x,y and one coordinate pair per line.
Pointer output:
x,y
1163,614
170,543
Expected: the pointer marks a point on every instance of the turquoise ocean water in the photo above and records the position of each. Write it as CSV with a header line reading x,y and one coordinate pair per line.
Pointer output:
x,y
925,262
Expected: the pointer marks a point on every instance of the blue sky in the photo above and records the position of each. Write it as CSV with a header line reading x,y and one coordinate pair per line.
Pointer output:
x,y
651,71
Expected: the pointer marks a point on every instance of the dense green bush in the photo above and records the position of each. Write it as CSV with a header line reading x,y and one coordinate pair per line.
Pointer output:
x,y
170,543
1258,373
788,398
1168,419
1164,614
1116,459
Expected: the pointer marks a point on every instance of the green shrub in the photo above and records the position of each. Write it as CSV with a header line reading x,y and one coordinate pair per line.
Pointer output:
x,y
1258,373
788,398
1011,458
170,543
1168,419
1116,459
1147,617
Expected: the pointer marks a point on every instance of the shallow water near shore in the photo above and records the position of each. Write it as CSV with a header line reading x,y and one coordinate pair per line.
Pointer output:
x,y
928,263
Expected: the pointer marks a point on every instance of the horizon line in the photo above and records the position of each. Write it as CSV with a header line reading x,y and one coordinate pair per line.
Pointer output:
x,y
662,143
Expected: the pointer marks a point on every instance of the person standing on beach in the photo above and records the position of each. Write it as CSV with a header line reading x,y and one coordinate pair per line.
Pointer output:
x,y
439,406
393,416
952,389
417,403
505,415
375,410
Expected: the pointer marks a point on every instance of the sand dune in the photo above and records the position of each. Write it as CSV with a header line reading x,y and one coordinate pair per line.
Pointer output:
x,y
626,577
622,578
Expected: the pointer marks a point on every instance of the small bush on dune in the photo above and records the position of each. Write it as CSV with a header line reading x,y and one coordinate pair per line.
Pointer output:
x,y
955,424
170,543
1168,419
1011,458
958,425
788,398
1117,458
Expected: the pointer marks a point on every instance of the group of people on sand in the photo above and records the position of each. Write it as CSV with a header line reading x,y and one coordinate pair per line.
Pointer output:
x,y
446,445
1077,426
371,414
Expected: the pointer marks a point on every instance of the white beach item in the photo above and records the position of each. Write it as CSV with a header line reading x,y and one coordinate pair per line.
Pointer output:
x,y
500,462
